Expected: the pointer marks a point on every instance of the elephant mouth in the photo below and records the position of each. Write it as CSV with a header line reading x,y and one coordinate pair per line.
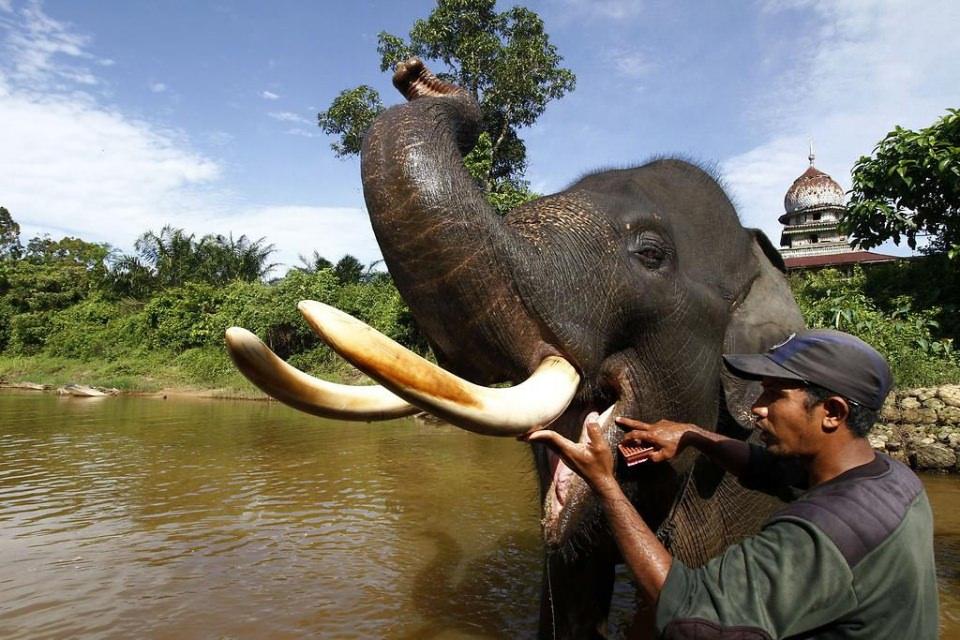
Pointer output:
x,y
569,500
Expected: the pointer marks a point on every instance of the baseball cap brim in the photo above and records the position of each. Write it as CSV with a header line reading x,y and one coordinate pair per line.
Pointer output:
x,y
756,366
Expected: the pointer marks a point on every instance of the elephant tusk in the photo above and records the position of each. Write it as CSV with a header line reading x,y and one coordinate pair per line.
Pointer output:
x,y
291,386
536,402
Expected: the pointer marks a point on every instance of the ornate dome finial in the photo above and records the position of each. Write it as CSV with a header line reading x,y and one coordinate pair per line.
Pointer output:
x,y
811,156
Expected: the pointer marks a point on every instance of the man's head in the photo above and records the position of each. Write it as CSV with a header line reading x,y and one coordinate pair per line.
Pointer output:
x,y
837,379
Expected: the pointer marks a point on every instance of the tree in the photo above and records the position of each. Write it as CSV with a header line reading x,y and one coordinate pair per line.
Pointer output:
x,y
350,115
505,60
910,188
175,258
223,259
129,277
9,236
314,263
348,270
68,250
170,254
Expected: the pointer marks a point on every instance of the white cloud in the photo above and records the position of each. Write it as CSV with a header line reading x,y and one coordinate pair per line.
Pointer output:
x,y
6,5
870,67
158,87
269,95
631,63
605,9
44,52
78,166
84,169
287,116
305,133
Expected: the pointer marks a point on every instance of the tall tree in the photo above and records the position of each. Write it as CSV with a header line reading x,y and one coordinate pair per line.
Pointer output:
x,y
504,59
171,254
222,259
314,263
9,236
348,270
175,258
910,188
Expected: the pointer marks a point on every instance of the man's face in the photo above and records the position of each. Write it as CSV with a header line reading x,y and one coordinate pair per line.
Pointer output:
x,y
788,427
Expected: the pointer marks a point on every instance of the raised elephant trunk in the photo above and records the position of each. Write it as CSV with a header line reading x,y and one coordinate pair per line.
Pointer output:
x,y
447,249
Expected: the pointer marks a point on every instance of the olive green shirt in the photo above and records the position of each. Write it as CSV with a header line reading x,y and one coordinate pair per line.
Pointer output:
x,y
851,558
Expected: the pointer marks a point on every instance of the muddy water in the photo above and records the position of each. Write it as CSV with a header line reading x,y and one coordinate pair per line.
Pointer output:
x,y
128,517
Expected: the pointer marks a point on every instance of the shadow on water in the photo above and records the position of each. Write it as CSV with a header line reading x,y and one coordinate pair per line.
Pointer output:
x,y
490,595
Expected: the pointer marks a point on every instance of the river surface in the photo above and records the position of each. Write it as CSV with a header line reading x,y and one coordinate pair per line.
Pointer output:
x,y
151,518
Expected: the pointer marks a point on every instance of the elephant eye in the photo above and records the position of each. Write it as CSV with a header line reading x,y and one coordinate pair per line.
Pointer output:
x,y
649,250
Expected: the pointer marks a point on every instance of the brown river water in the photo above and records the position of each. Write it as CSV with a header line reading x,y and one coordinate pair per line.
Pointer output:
x,y
135,517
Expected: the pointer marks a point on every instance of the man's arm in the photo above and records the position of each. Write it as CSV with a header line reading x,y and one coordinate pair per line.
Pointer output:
x,y
670,438
647,558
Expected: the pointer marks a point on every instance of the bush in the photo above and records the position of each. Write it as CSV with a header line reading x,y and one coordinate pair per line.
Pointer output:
x,y
80,331
931,282
904,336
378,303
270,311
183,318
28,332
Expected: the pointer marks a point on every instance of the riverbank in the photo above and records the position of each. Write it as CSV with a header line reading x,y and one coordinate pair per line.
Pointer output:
x,y
197,373
146,374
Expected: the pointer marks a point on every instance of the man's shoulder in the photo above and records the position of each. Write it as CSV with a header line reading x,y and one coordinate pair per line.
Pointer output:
x,y
859,509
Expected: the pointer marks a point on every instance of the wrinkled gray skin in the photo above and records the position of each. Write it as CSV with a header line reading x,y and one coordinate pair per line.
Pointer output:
x,y
640,277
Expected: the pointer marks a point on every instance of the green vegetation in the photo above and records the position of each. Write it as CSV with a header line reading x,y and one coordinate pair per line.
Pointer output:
x,y
878,306
910,188
505,60
73,311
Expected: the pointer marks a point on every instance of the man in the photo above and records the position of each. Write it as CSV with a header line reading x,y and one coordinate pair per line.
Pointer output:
x,y
850,556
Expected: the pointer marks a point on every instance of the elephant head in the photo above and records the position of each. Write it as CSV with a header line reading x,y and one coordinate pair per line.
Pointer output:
x,y
618,295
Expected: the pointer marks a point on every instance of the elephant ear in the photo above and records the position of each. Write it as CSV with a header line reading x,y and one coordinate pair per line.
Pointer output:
x,y
764,316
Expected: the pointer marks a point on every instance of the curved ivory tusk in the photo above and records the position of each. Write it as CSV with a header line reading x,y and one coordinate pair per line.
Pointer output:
x,y
304,392
537,401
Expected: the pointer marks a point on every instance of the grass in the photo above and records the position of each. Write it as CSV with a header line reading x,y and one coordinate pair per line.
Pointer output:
x,y
207,371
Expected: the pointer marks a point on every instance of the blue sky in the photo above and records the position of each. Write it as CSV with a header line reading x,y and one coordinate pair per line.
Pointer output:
x,y
122,116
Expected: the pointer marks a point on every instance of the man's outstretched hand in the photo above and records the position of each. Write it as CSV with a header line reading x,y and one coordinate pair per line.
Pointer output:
x,y
590,458
668,438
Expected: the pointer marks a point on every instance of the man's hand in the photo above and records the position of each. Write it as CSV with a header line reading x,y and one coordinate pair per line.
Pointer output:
x,y
667,437
590,458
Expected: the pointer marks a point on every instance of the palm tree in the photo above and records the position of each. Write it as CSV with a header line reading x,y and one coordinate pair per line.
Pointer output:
x,y
171,255
314,263
175,257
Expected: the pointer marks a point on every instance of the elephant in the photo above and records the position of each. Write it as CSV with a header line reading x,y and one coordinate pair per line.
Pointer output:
x,y
617,295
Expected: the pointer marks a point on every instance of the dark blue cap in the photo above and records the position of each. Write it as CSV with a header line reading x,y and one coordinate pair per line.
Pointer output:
x,y
834,360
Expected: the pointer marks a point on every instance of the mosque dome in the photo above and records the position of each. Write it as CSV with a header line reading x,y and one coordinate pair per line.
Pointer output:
x,y
812,190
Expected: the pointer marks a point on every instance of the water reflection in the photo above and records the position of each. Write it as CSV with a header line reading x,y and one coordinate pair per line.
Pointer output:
x,y
166,519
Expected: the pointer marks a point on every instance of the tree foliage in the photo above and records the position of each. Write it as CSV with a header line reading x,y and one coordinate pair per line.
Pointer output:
x,y
910,188
903,334
350,115
173,258
504,59
348,270
314,263
172,301
9,236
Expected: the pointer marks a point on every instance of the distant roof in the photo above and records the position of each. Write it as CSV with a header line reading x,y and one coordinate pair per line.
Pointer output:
x,y
836,259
